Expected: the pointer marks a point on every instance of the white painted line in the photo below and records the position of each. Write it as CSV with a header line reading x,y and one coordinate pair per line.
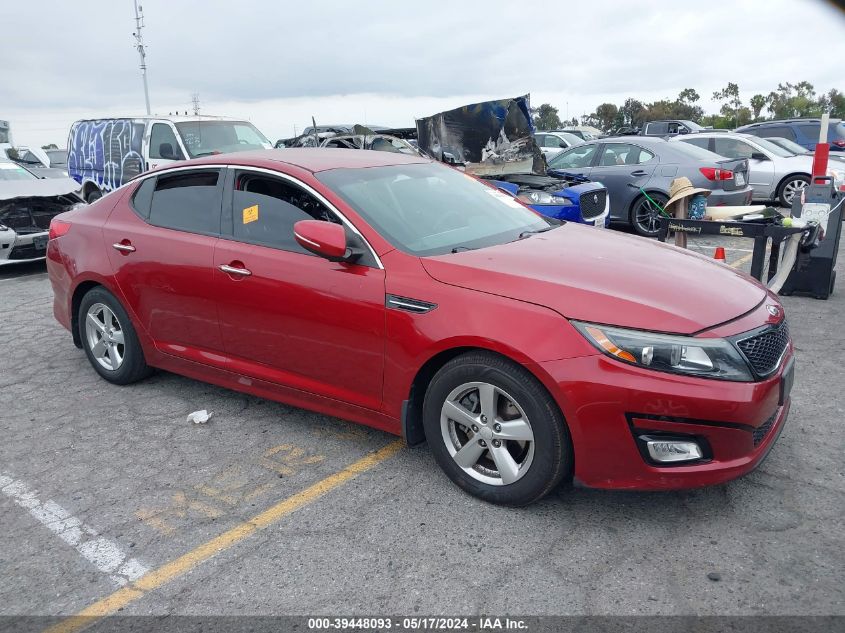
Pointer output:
x,y
104,554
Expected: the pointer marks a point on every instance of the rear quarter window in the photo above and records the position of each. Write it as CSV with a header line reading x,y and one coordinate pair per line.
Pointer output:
x,y
142,199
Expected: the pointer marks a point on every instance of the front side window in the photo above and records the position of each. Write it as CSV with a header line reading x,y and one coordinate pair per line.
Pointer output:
x,y
698,141
203,138
657,128
163,143
187,201
576,158
430,209
266,208
765,132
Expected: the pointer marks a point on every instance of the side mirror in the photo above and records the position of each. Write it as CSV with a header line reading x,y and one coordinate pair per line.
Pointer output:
x,y
683,130
451,159
165,150
759,156
326,239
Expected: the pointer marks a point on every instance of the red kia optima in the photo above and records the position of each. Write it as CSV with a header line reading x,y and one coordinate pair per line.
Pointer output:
x,y
402,294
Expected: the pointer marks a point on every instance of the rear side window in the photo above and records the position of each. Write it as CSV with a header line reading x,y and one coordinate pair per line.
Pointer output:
x,y
143,197
781,131
266,208
187,201
810,130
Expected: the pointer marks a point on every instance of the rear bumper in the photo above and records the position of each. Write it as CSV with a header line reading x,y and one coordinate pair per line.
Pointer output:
x,y
738,198
608,405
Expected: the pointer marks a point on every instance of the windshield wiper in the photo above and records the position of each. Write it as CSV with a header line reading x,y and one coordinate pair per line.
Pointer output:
x,y
458,249
525,234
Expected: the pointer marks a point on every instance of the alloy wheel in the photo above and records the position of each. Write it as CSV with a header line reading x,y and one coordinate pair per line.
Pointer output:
x,y
487,433
104,336
647,217
793,188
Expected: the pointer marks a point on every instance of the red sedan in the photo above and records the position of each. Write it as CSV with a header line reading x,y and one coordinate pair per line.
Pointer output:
x,y
402,294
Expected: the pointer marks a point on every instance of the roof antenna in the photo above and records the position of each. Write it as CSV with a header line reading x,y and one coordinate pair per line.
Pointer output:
x,y
139,44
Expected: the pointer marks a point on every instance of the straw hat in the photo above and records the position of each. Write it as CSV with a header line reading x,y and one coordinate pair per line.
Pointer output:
x,y
682,188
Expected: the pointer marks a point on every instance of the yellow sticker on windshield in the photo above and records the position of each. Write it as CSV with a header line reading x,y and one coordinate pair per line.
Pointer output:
x,y
250,214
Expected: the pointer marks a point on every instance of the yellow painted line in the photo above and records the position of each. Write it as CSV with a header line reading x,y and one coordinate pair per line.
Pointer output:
x,y
180,566
741,260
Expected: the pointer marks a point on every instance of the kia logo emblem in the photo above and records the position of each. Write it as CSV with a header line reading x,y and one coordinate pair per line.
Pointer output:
x,y
773,310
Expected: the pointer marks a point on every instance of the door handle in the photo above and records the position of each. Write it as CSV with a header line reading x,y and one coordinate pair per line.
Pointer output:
x,y
123,248
231,270
639,173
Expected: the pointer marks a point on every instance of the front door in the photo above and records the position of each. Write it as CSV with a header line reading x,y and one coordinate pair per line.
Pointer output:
x,y
624,168
289,316
161,245
163,146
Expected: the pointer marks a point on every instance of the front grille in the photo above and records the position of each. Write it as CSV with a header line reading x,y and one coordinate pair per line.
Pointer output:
x,y
593,203
27,251
762,431
765,350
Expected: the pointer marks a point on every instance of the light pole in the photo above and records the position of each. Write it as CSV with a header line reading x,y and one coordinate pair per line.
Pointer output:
x,y
139,44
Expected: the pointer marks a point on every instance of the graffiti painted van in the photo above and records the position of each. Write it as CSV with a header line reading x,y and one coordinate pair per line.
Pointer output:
x,y
103,154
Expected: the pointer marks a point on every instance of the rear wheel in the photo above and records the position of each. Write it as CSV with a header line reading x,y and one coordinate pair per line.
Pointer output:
x,y
109,340
495,431
645,214
791,187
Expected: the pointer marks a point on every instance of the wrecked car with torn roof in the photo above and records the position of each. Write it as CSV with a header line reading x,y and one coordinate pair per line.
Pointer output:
x,y
494,140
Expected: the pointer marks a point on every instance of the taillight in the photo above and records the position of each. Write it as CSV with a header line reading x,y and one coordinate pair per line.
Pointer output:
x,y
58,228
838,142
712,173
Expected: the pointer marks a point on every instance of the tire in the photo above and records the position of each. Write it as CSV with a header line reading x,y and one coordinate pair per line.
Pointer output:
x,y
789,187
121,359
523,407
645,217
93,196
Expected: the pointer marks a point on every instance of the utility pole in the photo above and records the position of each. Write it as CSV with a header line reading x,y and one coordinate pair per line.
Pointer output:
x,y
139,44
195,100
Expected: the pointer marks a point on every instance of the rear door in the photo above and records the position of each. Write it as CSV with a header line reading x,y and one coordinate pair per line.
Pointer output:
x,y
161,244
623,168
286,315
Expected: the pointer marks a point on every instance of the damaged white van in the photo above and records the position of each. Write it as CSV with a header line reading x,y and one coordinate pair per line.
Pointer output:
x,y
103,154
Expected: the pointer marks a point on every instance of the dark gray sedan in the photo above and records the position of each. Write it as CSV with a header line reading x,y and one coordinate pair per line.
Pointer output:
x,y
638,172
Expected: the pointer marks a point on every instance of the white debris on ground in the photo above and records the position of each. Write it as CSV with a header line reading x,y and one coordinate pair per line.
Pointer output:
x,y
199,417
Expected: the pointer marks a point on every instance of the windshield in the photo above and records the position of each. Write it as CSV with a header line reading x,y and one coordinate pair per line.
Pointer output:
x,y
11,171
431,209
58,158
202,138
788,144
776,149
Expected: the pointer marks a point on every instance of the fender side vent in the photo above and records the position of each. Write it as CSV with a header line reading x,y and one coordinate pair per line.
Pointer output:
x,y
408,305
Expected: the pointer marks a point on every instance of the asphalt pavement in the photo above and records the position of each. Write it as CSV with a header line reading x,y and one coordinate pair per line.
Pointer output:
x,y
269,509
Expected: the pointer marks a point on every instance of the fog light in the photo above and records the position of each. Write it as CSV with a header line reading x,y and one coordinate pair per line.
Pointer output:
x,y
663,449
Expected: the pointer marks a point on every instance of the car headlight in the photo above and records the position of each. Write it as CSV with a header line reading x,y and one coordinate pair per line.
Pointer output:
x,y
701,357
541,197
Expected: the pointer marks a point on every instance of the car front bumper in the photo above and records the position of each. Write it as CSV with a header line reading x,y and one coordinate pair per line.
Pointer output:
x,y
20,249
609,404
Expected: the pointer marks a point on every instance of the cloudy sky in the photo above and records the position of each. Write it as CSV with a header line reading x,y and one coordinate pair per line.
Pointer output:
x,y
278,62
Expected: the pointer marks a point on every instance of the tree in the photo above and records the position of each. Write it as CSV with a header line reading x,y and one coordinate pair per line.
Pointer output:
x,y
730,95
546,117
605,116
633,112
758,102
794,100
833,102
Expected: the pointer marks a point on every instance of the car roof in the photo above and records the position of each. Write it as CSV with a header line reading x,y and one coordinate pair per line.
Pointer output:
x,y
794,120
313,159
175,118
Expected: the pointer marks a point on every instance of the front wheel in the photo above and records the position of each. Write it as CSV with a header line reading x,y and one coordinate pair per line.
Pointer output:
x,y
645,214
790,188
495,431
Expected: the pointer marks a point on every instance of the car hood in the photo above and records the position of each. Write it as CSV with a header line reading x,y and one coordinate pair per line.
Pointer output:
x,y
600,276
47,187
